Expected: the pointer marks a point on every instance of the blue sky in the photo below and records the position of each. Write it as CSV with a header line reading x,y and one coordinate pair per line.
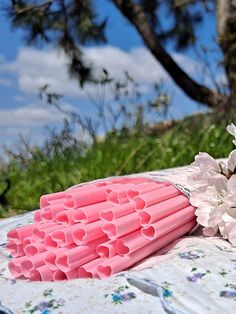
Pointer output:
x,y
24,69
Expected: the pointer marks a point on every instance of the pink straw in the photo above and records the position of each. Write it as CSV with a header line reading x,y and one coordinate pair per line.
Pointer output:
x,y
165,225
130,243
107,249
118,263
128,180
50,212
63,237
65,217
78,256
42,273
144,188
34,248
161,210
154,197
15,248
37,215
51,257
33,262
117,194
111,187
52,198
72,274
43,229
90,213
59,275
21,232
121,226
84,198
103,183
117,211
49,243
27,241
89,270
82,233
14,266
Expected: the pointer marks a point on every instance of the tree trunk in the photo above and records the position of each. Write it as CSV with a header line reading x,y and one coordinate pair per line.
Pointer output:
x,y
135,14
226,18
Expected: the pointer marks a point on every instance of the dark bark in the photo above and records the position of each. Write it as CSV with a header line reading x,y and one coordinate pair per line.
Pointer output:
x,y
226,17
134,13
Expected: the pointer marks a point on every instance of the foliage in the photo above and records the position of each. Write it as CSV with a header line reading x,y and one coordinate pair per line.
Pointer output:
x,y
57,166
69,24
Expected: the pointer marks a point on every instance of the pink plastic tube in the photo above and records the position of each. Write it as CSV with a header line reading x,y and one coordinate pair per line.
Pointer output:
x,y
59,275
117,211
89,270
118,194
144,188
121,226
41,230
50,212
37,215
107,249
83,198
161,210
30,263
154,197
63,237
165,225
90,213
49,243
111,187
82,233
130,243
65,217
14,266
51,256
27,241
15,248
52,198
34,248
103,183
42,273
122,200
118,263
128,180
21,232
78,256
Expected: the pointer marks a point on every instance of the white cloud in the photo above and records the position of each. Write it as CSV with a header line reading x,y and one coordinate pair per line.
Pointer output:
x,y
30,116
2,59
35,68
5,82
19,98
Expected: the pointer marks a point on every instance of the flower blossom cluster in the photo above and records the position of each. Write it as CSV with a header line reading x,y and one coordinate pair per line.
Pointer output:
x,y
214,193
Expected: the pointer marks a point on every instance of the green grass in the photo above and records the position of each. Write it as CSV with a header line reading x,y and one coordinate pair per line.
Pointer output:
x,y
119,153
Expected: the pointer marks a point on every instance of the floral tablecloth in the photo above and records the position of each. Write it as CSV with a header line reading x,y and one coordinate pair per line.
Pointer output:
x,y
192,275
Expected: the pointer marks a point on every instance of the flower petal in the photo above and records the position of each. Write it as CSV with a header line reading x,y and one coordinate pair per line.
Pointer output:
x,y
231,129
210,231
232,161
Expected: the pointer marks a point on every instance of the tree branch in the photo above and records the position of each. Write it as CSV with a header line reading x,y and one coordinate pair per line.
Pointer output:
x,y
30,7
134,13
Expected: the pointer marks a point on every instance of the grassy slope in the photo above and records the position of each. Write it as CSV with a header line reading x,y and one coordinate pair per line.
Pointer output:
x,y
118,154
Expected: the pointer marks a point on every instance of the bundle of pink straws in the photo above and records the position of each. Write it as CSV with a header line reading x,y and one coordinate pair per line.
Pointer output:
x,y
98,229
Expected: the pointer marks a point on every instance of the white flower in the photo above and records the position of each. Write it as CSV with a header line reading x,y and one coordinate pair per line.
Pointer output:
x,y
232,130
214,193
232,161
216,207
205,170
